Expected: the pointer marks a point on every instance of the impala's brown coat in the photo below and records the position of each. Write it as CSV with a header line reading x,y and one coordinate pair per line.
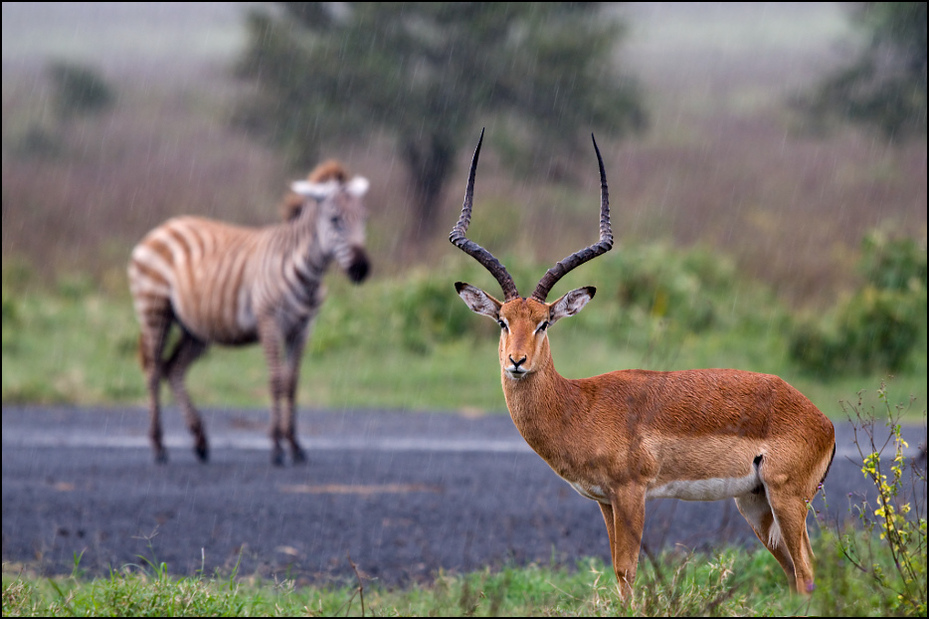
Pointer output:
x,y
626,436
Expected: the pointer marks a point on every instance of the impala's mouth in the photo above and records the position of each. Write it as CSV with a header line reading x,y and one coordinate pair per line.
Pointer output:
x,y
516,373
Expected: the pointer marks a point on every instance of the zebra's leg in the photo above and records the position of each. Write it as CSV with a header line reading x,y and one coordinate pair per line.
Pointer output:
x,y
293,348
187,350
155,321
270,335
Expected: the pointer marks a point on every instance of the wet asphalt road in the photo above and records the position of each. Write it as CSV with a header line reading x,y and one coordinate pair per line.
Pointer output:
x,y
400,494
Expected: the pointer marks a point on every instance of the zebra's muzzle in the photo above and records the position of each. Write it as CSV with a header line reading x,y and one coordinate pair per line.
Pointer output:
x,y
359,266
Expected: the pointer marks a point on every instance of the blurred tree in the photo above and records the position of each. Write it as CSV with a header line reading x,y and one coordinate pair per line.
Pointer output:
x,y
78,90
426,73
885,86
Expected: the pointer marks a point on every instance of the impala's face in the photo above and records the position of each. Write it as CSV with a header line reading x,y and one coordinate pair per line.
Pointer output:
x,y
523,336
524,325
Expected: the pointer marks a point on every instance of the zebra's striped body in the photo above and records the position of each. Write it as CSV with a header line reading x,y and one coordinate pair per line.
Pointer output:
x,y
234,285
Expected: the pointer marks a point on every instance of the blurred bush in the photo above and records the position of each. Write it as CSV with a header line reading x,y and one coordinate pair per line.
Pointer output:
x,y
644,294
415,312
658,295
652,298
881,324
79,90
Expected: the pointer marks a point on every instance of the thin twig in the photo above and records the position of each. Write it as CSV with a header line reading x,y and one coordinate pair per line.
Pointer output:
x,y
361,587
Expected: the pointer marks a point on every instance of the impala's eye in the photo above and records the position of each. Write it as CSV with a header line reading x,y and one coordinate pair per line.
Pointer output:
x,y
542,327
502,324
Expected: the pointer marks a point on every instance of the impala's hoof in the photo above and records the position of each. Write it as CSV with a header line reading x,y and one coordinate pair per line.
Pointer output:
x,y
277,457
161,457
298,456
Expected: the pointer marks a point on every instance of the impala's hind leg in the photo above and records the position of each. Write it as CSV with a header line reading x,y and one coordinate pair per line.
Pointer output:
x,y
187,350
755,509
790,511
155,321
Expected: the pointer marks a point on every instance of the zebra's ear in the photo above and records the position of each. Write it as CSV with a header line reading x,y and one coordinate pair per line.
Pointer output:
x,y
358,186
317,191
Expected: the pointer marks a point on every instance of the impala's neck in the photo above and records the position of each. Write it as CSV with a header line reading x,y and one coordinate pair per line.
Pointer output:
x,y
542,404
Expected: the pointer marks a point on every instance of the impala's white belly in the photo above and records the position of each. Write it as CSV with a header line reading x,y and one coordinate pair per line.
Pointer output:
x,y
592,492
713,489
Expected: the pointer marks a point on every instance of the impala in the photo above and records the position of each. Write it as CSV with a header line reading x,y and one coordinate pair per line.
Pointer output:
x,y
627,436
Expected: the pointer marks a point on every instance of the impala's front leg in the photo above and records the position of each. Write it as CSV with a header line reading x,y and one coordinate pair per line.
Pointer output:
x,y
607,511
628,523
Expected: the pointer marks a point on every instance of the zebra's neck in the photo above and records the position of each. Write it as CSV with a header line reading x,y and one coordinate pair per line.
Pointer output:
x,y
301,241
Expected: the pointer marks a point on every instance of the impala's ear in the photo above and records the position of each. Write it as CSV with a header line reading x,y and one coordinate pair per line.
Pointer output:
x,y
479,301
571,303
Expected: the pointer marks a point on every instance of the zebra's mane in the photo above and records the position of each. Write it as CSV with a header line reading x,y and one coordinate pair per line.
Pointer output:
x,y
327,171
292,204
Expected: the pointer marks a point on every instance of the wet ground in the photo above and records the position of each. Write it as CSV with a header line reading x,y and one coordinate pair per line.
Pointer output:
x,y
402,495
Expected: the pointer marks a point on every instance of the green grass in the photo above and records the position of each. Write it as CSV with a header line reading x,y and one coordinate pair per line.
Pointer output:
x,y
729,582
410,343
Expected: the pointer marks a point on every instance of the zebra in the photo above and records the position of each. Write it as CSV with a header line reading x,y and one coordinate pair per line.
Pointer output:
x,y
233,285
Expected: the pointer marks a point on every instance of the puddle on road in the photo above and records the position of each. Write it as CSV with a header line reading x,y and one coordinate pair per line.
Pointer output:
x,y
355,489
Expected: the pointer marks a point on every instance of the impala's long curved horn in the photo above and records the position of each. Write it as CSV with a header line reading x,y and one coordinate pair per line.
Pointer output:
x,y
576,259
457,235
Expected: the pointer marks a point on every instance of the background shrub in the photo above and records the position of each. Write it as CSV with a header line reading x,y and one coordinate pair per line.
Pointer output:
x,y
79,90
879,326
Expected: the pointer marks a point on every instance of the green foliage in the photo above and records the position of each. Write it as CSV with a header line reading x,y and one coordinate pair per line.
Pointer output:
x,y
892,552
645,292
400,341
686,289
431,312
76,91
79,90
431,69
656,298
729,583
153,593
885,86
68,345
38,142
881,325
424,73
880,328
893,265
416,315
